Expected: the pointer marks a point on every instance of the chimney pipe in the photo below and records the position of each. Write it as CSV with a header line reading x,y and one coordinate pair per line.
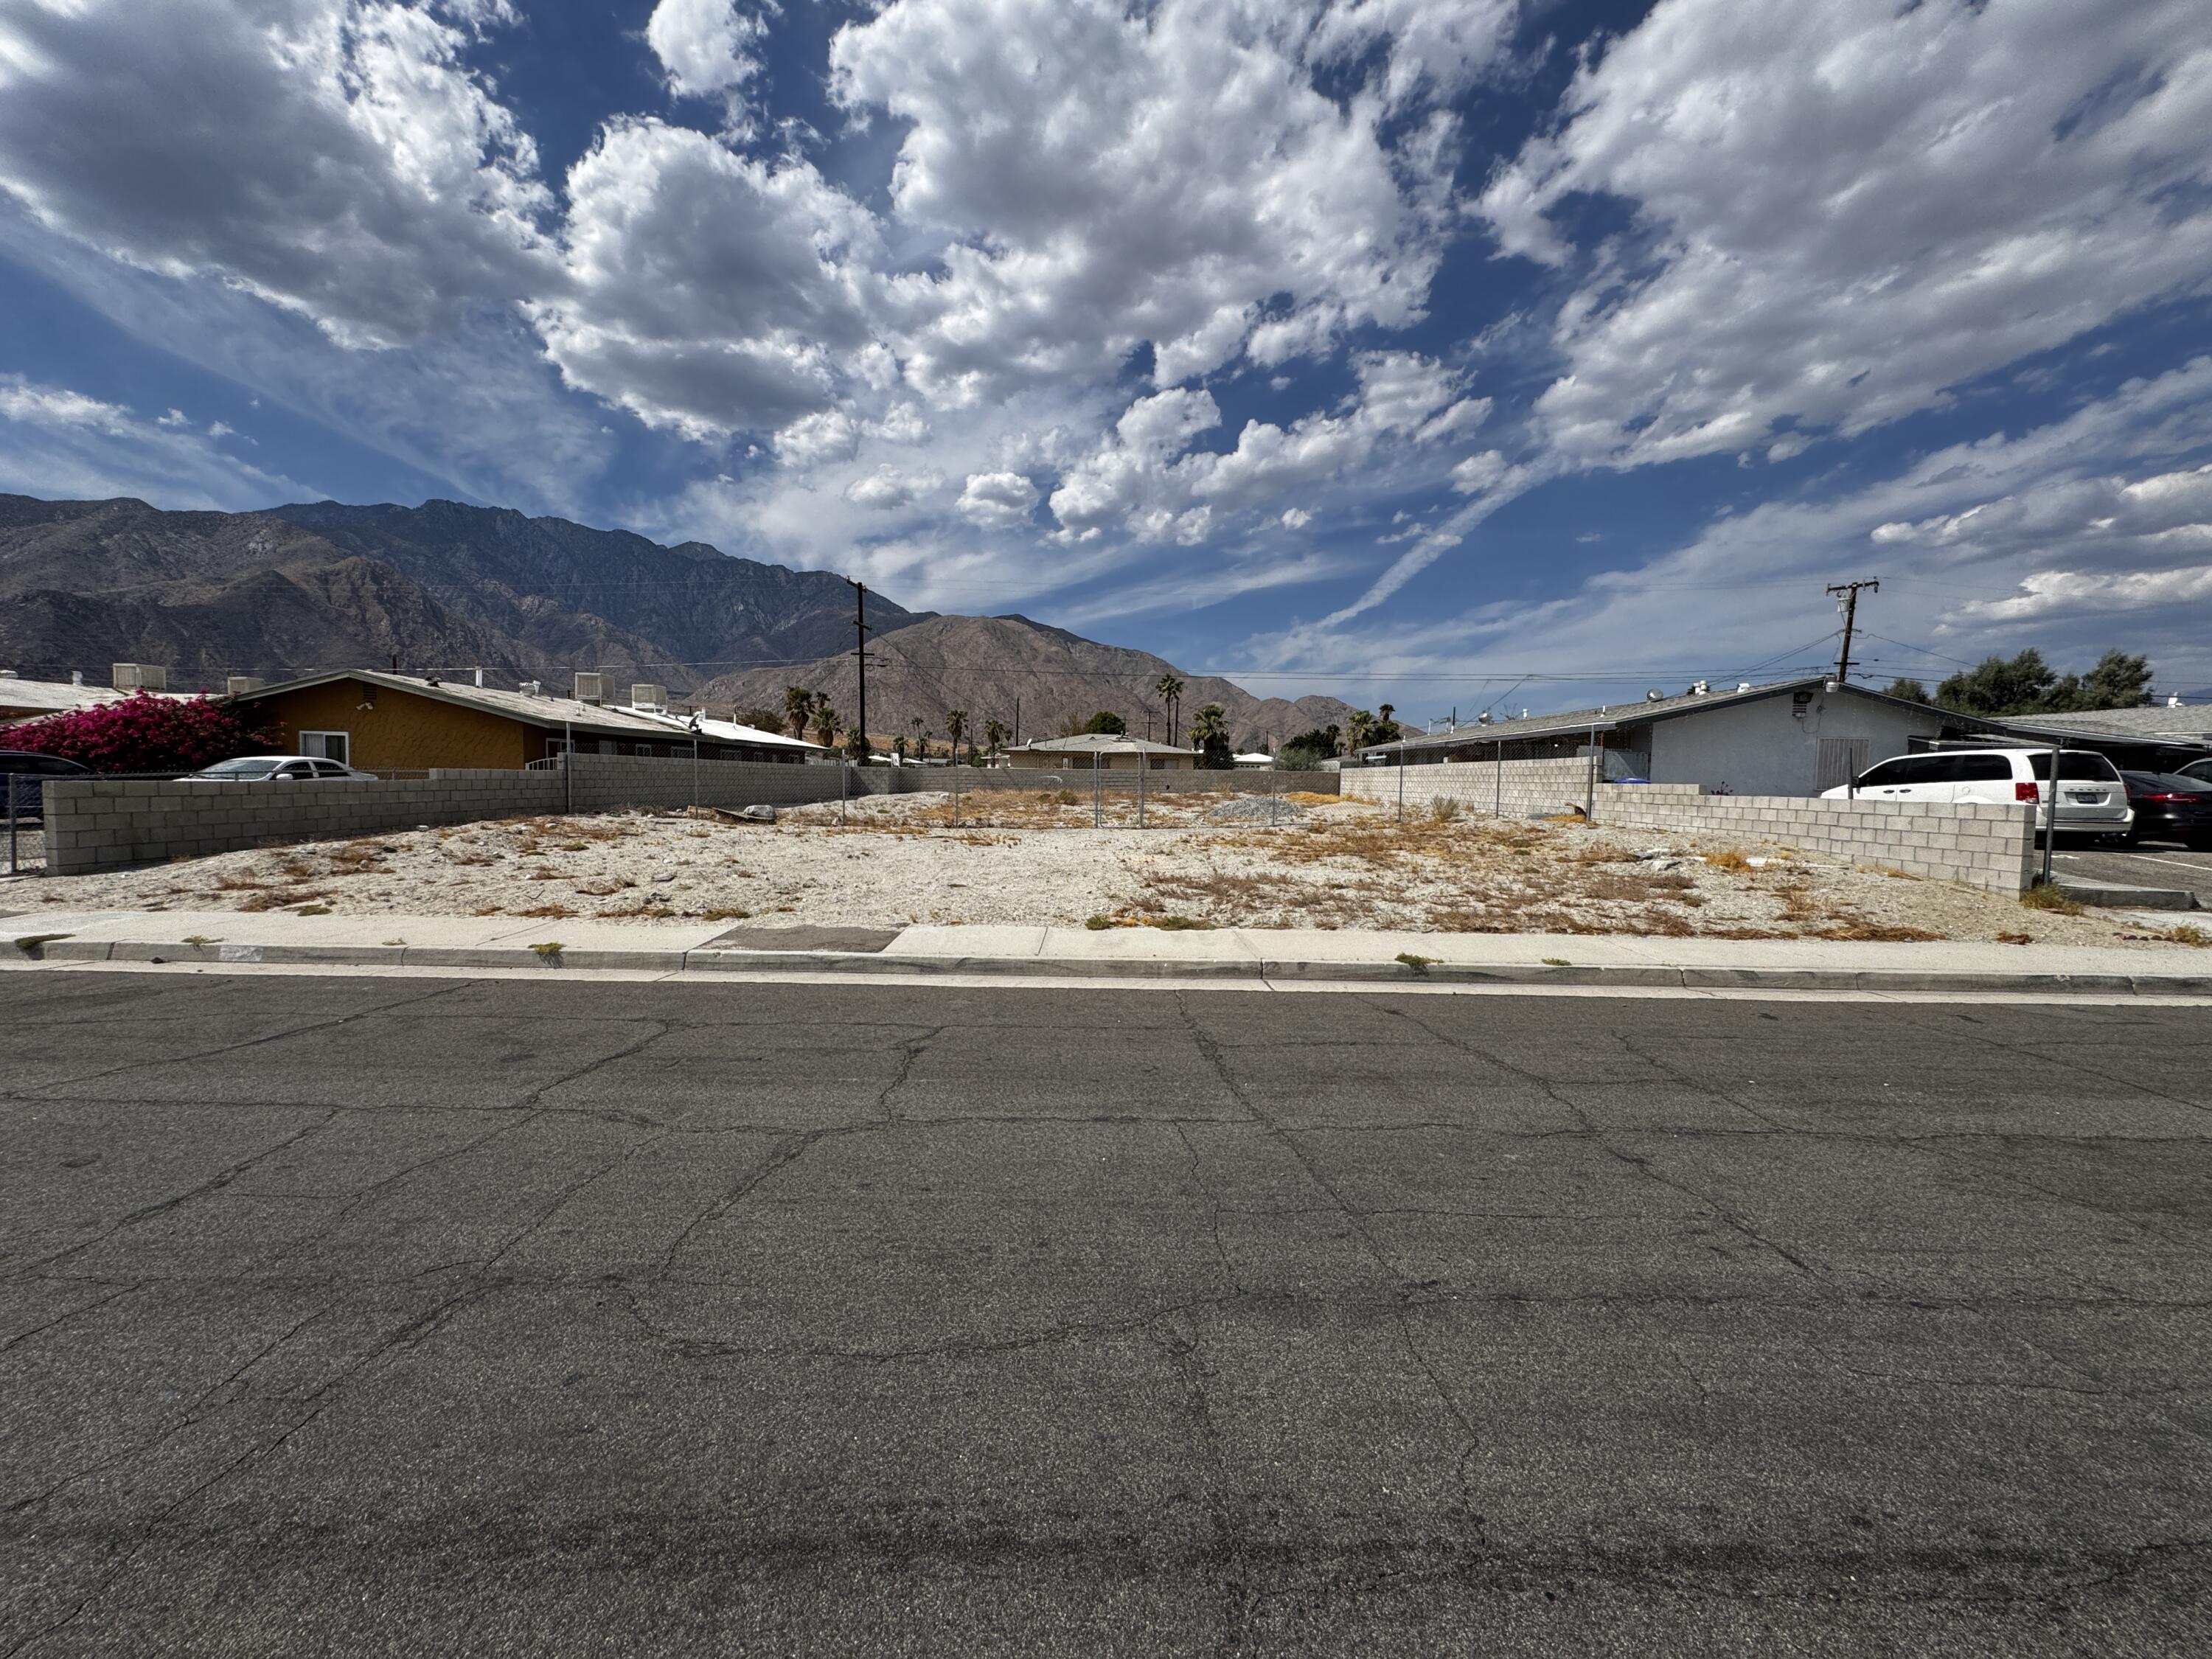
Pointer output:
x,y
479,679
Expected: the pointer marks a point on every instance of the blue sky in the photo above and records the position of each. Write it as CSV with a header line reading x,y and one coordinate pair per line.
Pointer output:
x,y
1393,348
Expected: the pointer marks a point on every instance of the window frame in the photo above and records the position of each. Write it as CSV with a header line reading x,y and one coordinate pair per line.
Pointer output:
x,y
345,743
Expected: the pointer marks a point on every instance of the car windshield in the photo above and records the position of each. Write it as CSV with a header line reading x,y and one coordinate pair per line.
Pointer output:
x,y
252,766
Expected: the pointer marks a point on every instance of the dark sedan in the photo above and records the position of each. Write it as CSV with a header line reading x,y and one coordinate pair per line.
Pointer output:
x,y
2171,808
23,782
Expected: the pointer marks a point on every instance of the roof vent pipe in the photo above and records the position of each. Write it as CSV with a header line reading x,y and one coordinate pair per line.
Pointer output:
x,y
479,679
76,676
1654,694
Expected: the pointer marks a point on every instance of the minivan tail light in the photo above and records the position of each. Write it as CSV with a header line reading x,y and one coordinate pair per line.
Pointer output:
x,y
2027,791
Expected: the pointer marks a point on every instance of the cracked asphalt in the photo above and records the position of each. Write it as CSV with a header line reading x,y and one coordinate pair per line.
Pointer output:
x,y
374,1316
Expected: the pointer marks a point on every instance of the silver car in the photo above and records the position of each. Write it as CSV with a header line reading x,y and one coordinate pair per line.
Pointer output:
x,y
279,768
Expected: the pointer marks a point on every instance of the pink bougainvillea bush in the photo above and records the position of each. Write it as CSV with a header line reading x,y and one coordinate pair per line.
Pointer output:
x,y
143,733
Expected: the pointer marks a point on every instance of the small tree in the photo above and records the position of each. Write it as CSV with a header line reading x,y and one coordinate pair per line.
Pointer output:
x,y
828,722
856,747
1910,690
798,708
146,733
1105,723
1385,730
766,719
1209,732
1362,724
1322,740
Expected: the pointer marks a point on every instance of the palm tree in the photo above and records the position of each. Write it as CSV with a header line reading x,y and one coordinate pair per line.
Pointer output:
x,y
1209,732
956,722
995,735
1361,723
798,708
828,722
1170,690
920,738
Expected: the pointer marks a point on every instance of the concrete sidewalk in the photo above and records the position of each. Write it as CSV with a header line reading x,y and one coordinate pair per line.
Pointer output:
x,y
1121,954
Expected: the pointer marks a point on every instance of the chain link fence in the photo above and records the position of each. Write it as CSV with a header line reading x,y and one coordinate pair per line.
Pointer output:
x,y
1104,798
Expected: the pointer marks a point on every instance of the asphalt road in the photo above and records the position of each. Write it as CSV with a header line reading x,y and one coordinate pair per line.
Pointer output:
x,y
2153,864
393,1316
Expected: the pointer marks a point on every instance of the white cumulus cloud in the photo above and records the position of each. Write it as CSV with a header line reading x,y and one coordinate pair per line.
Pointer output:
x,y
1844,210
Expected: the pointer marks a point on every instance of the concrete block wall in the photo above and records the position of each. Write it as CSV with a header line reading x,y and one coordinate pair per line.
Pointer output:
x,y
106,824
914,780
1516,788
606,783
1991,847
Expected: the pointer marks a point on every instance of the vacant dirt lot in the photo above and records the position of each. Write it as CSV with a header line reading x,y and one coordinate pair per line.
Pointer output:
x,y
1221,860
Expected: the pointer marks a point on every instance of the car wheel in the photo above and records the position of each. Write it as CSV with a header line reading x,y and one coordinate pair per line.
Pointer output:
x,y
2124,838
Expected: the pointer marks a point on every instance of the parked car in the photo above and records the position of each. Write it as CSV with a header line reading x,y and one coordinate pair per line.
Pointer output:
x,y
278,769
2170,807
2195,771
2092,798
26,776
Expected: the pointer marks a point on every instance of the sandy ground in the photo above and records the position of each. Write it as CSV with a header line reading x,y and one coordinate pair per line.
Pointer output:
x,y
1032,858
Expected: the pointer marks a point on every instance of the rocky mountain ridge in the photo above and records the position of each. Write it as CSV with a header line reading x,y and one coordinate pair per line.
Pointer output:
x,y
449,587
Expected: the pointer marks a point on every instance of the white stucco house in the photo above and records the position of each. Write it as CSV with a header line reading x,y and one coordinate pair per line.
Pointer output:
x,y
1789,737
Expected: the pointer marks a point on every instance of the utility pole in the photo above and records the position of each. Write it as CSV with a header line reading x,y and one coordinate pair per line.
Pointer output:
x,y
860,656
1849,593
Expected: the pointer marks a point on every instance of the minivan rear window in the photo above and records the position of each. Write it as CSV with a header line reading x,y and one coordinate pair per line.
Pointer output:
x,y
2074,763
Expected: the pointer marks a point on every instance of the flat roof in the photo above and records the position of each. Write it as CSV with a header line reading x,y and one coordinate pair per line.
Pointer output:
x,y
1097,743
60,696
2154,723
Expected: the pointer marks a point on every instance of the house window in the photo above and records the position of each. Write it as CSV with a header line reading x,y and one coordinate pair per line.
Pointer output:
x,y
327,746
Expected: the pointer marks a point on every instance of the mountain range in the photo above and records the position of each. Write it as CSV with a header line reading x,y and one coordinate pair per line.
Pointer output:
x,y
451,587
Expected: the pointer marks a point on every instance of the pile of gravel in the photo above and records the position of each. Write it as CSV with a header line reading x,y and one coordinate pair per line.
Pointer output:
x,y
1255,808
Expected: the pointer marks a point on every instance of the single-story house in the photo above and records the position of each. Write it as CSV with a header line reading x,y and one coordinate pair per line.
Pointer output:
x,y
2156,737
1789,738
1103,751
399,722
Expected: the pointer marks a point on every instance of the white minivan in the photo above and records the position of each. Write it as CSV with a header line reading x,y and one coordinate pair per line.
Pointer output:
x,y
2092,798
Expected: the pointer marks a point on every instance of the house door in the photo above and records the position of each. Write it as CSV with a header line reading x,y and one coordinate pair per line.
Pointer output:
x,y
1842,759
